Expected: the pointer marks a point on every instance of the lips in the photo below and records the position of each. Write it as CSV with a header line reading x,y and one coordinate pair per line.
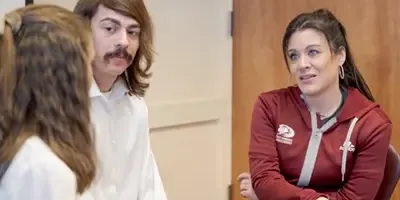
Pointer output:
x,y
307,77
119,61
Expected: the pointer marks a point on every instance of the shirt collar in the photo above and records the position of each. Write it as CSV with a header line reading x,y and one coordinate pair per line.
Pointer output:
x,y
118,90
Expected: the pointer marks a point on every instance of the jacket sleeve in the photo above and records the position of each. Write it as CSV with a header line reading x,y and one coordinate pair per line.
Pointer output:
x,y
268,182
368,170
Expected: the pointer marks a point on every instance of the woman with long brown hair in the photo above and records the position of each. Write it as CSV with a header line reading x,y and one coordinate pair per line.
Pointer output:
x,y
324,138
46,145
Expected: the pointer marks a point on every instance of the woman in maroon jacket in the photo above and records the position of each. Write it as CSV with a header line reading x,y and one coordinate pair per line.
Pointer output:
x,y
324,138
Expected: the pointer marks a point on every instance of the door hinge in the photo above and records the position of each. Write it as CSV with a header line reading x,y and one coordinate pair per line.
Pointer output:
x,y
27,2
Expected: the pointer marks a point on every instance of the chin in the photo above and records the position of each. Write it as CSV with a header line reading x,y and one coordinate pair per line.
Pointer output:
x,y
117,70
309,90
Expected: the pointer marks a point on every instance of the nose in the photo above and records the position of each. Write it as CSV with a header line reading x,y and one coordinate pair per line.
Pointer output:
x,y
304,62
123,38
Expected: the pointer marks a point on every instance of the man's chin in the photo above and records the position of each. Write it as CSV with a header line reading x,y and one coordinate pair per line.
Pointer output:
x,y
118,69
115,72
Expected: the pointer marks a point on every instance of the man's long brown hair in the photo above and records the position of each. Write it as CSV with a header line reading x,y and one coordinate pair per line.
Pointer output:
x,y
139,71
44,86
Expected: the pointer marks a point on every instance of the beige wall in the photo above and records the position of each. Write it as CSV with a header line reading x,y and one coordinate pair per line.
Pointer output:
x,y
190,96
6,6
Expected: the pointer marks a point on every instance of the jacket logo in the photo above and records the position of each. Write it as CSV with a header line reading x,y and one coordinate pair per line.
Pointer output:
x,y
351,147
285,134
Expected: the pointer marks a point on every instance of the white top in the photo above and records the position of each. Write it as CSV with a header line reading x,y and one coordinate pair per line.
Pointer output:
x,y
36,173
127,169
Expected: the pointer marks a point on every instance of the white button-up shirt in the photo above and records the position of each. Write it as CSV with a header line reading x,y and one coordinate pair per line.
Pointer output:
x,y
37,173
127,168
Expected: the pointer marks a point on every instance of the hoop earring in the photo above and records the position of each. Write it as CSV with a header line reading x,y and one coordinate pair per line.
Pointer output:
x,y
341,72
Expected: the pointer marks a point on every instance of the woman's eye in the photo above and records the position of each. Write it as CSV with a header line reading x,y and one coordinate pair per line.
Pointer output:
x,y
313,52
293,57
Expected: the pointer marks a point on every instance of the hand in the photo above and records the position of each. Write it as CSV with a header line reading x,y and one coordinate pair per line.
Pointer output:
x,y
246,188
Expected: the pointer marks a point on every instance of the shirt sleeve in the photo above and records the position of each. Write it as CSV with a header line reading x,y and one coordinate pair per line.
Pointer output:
x,y
39,183
268,182
151,185
143,181
368,171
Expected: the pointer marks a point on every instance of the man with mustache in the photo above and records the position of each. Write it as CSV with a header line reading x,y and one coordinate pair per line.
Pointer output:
x,y
123,38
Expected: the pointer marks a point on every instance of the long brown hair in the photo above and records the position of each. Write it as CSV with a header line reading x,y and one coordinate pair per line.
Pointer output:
x,y
44,86
139,71
325,22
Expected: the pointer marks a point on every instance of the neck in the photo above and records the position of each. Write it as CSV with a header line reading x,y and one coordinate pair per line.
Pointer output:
x,y
326,103
103,81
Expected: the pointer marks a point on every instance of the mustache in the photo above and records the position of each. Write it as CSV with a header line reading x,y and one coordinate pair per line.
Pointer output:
x,y
120,52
